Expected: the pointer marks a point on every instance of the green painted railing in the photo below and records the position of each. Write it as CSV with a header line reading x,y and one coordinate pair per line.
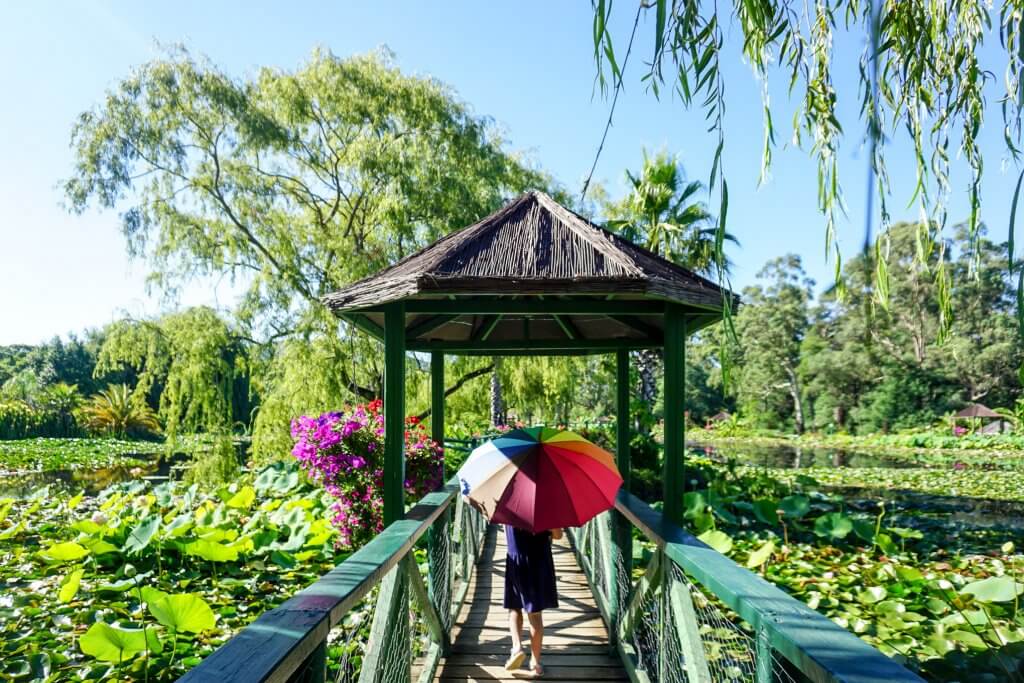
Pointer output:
x,y
291,642
695,615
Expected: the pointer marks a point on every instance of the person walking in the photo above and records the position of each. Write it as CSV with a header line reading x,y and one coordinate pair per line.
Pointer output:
x,y
530,587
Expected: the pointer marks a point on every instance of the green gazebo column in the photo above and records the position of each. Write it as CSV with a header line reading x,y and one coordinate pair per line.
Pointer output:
x,y
621,554
394,412
437,401
674,386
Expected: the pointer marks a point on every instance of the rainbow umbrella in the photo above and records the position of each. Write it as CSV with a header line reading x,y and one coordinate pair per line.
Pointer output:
x,y
540,478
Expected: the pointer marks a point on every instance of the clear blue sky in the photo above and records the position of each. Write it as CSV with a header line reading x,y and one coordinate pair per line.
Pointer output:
x,y
529,65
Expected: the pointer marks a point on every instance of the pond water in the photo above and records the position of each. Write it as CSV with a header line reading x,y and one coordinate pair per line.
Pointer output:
x,y
797,456
91,480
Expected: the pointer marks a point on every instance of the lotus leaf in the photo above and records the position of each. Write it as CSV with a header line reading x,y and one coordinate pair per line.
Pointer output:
x,y
64,552
142,534
834,525
69,586
186,612
719,540
115,644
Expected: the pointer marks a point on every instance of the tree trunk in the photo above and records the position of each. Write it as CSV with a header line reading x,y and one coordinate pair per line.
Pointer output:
x,y
798,404
497,403
647,361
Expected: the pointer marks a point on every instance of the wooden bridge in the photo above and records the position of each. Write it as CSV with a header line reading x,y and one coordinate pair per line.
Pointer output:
x,y
690,615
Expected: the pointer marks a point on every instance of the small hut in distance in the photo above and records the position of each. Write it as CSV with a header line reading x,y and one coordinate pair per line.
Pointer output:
x,y
996,423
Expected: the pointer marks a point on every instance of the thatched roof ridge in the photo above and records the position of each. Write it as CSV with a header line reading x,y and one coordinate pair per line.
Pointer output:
x,y
977,410
532,245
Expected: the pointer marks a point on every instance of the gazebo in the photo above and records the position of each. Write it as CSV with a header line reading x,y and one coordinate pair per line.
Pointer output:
x,y
977,411
534,278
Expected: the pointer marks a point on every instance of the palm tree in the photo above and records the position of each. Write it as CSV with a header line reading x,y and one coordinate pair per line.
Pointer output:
x,y
113,411
663,214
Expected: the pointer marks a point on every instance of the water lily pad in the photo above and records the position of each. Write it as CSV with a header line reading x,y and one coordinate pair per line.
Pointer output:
x,y
994,589
871,594
795,507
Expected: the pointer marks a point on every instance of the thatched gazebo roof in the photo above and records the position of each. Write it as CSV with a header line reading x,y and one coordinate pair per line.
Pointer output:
x,y
977,410
531,276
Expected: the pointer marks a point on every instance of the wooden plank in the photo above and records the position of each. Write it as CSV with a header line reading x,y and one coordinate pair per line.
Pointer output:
x,y
497,672
565,659
566,306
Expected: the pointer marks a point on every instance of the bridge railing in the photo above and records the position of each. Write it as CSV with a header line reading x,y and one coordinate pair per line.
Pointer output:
x,y
695,615
374,617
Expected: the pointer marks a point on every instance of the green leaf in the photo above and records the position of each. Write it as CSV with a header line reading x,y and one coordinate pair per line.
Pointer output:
x,y
69,586
765,509
186,612
115,644
994,589
75,500
834,525
97,546
968,638
63,552
719,540
761,555
243,500
871,595
142,534
152,595
795,507
209,550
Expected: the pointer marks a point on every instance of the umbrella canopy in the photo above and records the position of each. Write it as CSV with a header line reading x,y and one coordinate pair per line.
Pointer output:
x,y
977,410
540,478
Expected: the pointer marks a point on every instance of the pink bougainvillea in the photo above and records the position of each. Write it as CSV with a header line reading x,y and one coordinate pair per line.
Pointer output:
x,y
343,451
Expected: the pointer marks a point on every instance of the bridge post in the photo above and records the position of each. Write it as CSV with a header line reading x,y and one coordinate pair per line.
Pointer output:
x,y
674,386
621,550
394,412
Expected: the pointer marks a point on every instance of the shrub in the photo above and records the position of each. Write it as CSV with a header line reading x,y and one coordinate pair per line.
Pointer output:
x,y
344,452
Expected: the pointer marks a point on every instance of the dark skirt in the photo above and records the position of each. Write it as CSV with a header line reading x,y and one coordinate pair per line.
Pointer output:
x,y
529,571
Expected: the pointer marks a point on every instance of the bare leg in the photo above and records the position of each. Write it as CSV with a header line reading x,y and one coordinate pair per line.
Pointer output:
x,y
515,625
536,638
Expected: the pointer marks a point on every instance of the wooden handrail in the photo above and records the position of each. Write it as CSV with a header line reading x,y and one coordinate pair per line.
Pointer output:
x,y
818,647
276,645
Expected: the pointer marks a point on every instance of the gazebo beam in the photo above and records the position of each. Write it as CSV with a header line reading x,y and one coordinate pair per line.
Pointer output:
x,y
566,324
365,324
637,324
428,325
485,306
484,346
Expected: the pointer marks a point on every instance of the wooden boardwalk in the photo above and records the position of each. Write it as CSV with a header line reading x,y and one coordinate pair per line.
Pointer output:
x,y
575,638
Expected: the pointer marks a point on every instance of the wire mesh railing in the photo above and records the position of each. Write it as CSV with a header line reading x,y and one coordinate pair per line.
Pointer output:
x,y
384,615
692,615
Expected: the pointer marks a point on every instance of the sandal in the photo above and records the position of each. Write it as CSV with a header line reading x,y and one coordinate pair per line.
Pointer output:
x,y
515,660
538,670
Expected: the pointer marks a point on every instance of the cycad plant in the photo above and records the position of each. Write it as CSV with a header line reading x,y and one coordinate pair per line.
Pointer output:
x,y
112,411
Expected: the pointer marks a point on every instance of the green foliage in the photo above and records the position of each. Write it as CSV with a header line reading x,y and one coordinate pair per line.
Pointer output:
x,y
214,462
115,412
295,183
64,454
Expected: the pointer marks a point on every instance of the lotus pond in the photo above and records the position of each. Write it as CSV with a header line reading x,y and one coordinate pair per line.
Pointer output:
x,y
139,581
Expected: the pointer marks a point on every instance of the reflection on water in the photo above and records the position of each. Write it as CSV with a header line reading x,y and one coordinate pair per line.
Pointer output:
x,y
796,456
91,480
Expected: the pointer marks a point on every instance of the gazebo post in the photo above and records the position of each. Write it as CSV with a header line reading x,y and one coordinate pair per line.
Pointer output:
x,y
437,401
674,387
394,412
622,533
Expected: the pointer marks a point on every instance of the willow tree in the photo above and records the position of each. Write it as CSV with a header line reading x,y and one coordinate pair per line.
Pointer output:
x,y
190,363
294,184
920,73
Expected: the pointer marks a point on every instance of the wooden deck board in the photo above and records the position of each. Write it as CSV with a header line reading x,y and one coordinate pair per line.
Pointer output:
x,y
576,644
